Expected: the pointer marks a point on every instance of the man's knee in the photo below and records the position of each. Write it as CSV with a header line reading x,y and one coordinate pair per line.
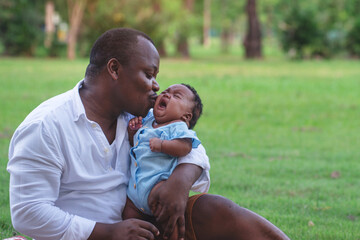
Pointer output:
x,y
215,216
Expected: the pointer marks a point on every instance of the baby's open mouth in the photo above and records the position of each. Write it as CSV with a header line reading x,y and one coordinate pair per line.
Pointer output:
x,y
162,103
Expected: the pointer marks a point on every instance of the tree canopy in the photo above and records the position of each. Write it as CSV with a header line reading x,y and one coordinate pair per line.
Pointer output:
x,y
303,29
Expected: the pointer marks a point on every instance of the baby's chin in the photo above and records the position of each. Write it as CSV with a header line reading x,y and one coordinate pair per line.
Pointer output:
x,y
156,114
158,117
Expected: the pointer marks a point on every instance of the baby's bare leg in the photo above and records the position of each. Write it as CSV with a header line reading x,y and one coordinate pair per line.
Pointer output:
x,y
155,187
152,192
131,211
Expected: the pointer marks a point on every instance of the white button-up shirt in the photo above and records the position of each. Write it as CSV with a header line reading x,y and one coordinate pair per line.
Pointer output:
x,y
64,174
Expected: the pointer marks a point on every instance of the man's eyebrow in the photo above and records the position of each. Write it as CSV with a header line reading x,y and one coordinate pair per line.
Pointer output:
x,y
150,67
154,67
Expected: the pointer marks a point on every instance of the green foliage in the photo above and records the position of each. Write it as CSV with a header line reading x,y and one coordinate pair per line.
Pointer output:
x,y
305,29
314,28
228,21
158,18
20,26
226,14
300,32
353,39
98,18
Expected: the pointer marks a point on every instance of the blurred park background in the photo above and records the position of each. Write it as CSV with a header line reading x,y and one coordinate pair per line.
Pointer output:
x,y
280,82
299,29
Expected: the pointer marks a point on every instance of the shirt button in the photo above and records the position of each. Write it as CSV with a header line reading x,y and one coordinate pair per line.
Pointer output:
x,y
142,209
106,150
110,169
135,164
93,125
134,186
136,143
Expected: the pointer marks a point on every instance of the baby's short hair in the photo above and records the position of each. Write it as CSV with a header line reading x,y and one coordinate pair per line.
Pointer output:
x,y
198,106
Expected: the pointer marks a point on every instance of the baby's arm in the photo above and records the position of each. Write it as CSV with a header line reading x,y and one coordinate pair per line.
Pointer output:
x,y
177,147
134,124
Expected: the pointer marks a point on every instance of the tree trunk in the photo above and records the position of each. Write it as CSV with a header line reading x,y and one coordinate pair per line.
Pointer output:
x,y
183,47
207,23
225,39
160,43
252,42
76,11
225,28
182,43
162,49
189,5
49,23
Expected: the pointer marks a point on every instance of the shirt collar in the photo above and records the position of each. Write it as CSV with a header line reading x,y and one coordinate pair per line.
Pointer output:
x,y
78,107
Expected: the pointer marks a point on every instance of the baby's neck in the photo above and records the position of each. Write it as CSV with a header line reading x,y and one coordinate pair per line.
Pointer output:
x,y
157,125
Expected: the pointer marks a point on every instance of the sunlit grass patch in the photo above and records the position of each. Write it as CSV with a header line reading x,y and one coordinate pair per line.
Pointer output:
x,y
282,136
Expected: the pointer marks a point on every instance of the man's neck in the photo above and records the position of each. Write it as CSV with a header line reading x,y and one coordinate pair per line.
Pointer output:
x,y
97,109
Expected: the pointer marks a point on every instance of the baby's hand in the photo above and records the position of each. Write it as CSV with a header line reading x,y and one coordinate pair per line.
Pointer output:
x,y
135,123
155,144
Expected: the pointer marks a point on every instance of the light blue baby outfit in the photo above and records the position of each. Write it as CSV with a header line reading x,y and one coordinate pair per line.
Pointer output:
x,y
147,167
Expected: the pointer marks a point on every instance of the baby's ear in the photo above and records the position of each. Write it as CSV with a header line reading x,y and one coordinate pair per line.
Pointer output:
x,y
187,117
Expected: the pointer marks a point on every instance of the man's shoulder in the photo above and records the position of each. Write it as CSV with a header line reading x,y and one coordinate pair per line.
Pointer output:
x,y
50,110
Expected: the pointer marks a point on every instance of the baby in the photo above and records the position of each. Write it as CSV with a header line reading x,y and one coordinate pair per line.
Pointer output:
x,y
157,144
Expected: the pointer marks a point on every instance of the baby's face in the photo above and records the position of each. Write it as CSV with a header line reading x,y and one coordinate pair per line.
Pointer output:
x,y
175,103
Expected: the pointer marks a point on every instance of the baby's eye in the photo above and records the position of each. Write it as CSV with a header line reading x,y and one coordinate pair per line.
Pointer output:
x,y
176,95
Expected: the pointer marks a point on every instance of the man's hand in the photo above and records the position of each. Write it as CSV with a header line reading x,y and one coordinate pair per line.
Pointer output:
x,y
155,144
168,200
168,203
127,229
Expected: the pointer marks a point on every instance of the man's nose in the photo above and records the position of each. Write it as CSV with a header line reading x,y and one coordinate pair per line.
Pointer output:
x,y
155,85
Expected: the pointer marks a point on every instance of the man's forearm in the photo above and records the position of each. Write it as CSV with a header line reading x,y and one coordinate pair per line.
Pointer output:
x,y
184,176
101,231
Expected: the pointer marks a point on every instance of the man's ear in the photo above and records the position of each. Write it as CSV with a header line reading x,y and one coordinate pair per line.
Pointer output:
x,y
187,117
113,66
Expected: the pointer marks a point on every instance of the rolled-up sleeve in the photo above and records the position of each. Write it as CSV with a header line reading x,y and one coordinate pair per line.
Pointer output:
x,y
80,228
35,168
198,157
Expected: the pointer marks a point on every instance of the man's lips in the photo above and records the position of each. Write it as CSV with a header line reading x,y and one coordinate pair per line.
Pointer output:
x,y
153,99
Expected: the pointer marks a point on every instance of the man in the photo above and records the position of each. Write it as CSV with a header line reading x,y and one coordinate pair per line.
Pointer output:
x,y
69,160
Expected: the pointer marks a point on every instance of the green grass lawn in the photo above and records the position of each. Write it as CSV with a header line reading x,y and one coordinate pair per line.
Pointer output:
x,y
274,130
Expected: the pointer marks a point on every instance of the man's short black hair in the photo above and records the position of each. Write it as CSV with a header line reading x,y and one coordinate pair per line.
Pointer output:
x,y
198,106
116,43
